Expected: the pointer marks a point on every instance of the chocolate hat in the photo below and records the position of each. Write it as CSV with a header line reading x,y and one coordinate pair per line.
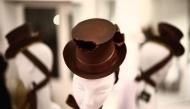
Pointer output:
x,y
96,50
169,36
19,38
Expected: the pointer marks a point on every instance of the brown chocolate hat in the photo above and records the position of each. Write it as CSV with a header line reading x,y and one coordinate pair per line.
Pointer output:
x,y
169,36
19,38
97,49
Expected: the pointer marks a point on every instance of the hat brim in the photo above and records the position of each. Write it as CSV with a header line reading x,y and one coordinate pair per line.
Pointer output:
x,y
15,48
69,53
176,47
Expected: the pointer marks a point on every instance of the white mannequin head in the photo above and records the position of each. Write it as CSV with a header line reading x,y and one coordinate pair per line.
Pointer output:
x,y
91,93
151,54
27,71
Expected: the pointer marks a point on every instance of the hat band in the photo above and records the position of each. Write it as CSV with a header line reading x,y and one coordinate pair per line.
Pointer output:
x,y
97,68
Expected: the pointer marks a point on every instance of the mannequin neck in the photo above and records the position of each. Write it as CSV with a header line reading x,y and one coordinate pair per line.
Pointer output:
x,y
43,98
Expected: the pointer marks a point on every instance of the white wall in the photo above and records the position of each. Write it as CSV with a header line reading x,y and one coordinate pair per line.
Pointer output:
x,y
61,87
130,19
84,9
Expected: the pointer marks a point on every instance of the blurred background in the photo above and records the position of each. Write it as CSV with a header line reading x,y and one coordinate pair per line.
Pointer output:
x,y
58,17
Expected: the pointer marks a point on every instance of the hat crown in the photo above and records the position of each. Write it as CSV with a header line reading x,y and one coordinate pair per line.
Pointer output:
x,y
19,34
170,31
96,30
94,40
